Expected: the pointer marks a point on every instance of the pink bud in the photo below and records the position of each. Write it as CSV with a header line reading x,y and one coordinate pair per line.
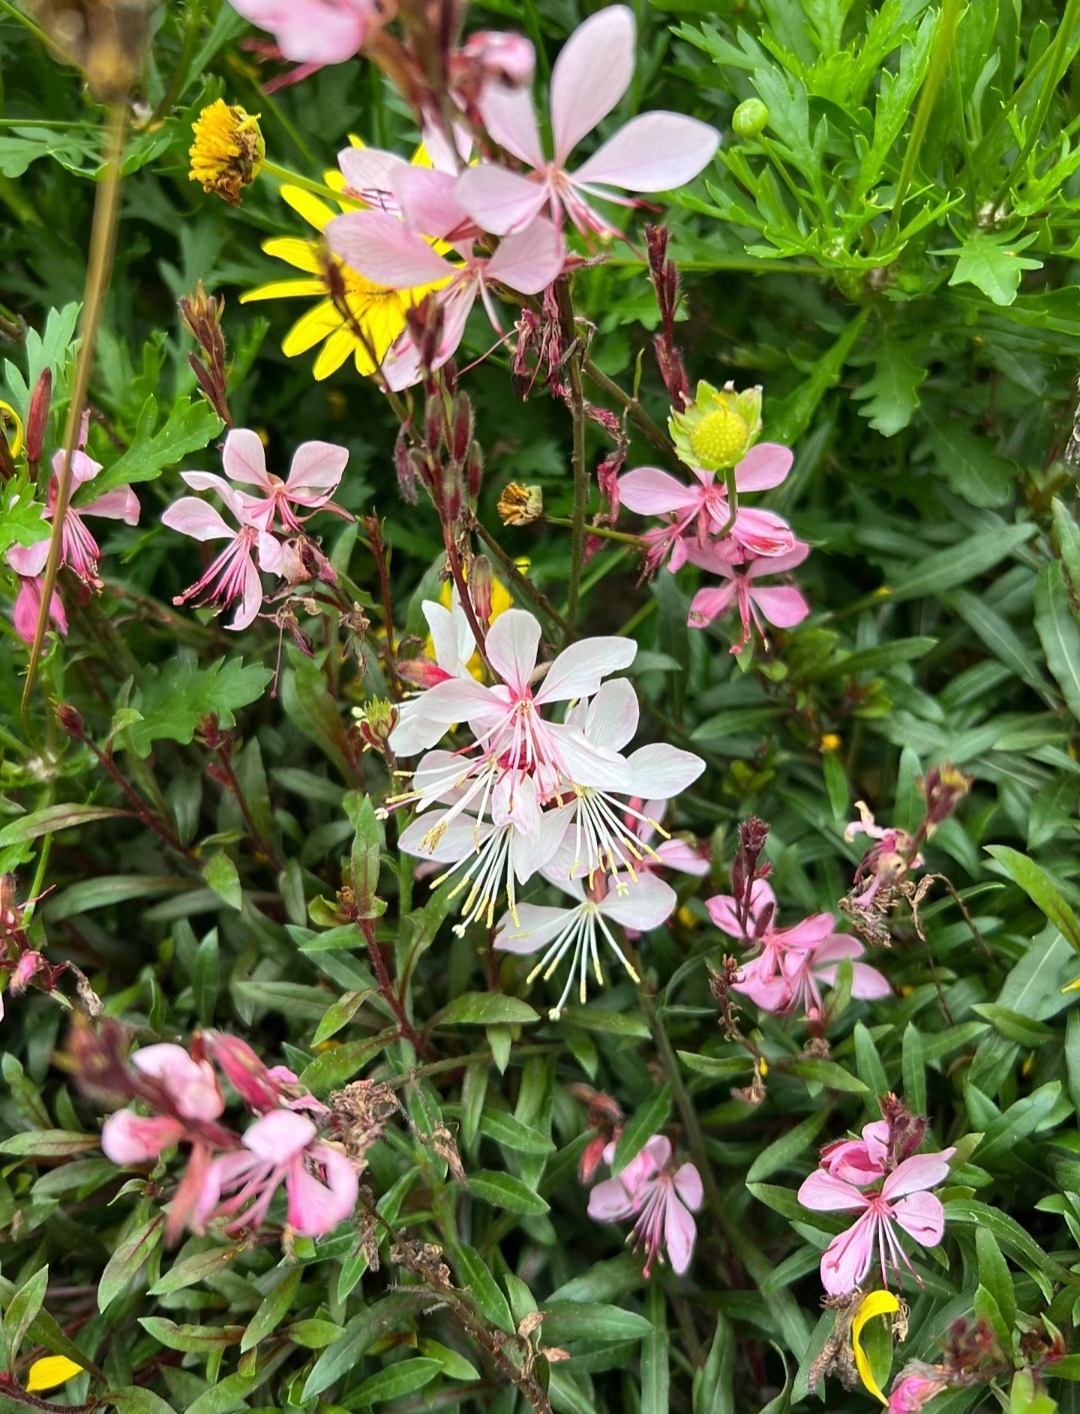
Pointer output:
x,y
128,1138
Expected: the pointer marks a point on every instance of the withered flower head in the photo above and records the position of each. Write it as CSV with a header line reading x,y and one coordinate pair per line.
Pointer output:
x,y
228,150
520,505
105,38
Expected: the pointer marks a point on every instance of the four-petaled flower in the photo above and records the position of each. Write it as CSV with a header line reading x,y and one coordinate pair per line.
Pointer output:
x,y
233,576
652,152
779,604
661,1198
316,469
902,1201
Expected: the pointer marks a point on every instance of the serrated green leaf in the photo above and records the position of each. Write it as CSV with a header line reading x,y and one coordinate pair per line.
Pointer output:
x,y
190,427
175,700
993,263
890,398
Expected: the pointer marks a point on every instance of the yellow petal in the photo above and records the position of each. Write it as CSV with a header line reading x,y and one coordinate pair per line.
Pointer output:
x,y
1072,986
284,289
877,1303
9,417
310,329
300,254
333,353
50,1372
315,212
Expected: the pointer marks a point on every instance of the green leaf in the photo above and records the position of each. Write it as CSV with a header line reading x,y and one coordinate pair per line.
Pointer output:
x,y
827,1073
655,1357
127,1259
454,1366
790,417
716,1067
1009,1232
340,1013
891,397
314,1334
395,1381
1067,535
341,1063
219,873
194,1340
389,1316
994,1274
174,701
913,1064
49,1143
512,1134
1014,1026
1017,1122
946,569
714,1382
968,465
1040,888
190,427
194,1269
273,1310
780,1152
133,1399
22,1309
54,818
314,713
1056,626
224,1397
473,1272
592,1320
993,263
20,516
646,1121
368,843
502,1190
999,637
485,1009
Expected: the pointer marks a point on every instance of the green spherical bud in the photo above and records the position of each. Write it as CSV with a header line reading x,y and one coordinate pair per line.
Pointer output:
x,y
750,118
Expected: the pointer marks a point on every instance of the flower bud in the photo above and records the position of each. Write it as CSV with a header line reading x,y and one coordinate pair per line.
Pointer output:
x,y
37,420
461,427
474,470
405,467
507,58
750,118
481,587
377,720
520,505
70,722
228,150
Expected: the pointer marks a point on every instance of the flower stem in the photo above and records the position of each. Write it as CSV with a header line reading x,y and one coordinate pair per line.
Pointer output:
x,y
601,530
581,470
522,582
386,990
637,414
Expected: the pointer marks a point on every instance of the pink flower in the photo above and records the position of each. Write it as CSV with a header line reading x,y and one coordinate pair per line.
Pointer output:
x,y
912,1392
261,1088
381,248
233,574
661,1198
643,818
781,605
80,551
317,468
859,1161
28,606
320,1182
560,931
651,153
314,31
901,1202
701,509
187,1087
792,962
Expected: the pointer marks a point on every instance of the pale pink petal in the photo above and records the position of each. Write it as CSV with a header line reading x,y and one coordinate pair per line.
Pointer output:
x,y
120,504
816,932
776,564
244,459
29,560
825,1193
653,1157
530,260
587,764
511,648
760,981
920,1171
680,1233
28,606
196,518
251,597
316,1208
370,173
579,669
311,31
316,469
765,465
609,1202
279,1135
500,201
846,1260
653,152
612,717
532,853
510,118
641,906
271,553
452,649
763,532
591,74
128,1138
921,1216
723,913
428,200
687,858
709,604
380,248
651,492
210,481
537,924
868,984
688,1186
659,771
783,606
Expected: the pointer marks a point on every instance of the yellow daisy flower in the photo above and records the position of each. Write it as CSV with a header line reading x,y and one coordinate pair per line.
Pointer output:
x,y
377,312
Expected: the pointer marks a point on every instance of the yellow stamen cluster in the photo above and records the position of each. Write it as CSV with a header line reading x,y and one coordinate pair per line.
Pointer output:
x,y
228,150
718,428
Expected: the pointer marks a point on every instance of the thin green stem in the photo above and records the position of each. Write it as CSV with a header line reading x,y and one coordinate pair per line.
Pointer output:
x,y
636,413
295,179
522,582
602,530
1060,42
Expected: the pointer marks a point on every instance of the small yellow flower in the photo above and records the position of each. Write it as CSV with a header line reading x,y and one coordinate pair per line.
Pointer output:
x,y
50,1372
718,428
9,419
520,505
228,150
830,742
376,315
876,1303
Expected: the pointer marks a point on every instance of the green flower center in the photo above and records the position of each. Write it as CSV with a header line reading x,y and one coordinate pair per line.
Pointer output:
x,y
719,439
